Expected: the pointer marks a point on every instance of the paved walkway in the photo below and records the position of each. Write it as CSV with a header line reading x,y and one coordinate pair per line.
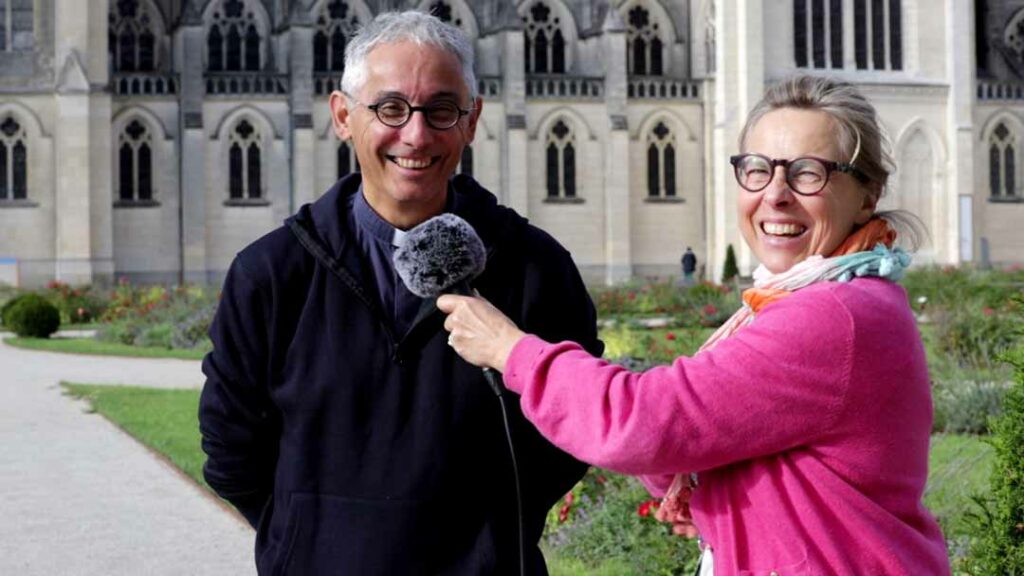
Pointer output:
x,y
80,497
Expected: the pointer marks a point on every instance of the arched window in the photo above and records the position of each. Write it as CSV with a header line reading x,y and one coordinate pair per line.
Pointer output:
x,y
245,165
1002,163
347,160
466,164
13,161
818,33
545,45
335,24
234,41
645,48
560,153
132,37
661,162
135,163
878,34
16,25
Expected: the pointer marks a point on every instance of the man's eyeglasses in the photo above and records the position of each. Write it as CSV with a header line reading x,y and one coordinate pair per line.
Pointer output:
x,y
395,112
806,175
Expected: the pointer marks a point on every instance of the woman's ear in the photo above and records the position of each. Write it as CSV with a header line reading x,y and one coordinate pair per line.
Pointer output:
x,y
872,192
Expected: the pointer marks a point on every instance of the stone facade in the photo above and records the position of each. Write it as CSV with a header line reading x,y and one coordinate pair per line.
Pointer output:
x,y
155,138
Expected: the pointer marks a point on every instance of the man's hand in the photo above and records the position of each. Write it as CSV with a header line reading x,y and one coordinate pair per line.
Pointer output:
x,y
479,332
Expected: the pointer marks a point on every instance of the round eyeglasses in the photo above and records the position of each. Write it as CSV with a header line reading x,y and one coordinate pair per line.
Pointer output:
x,y
806,175
395,111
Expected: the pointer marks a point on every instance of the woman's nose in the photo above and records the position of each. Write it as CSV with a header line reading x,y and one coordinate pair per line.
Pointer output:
x,y
778,192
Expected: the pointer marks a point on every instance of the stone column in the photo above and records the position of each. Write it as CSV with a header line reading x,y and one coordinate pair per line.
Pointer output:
x,y
84,229
618,250
515,179
191,66
303,140
960,60
739,84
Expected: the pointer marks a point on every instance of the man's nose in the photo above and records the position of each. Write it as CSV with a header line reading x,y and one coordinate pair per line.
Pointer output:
x,y
417,131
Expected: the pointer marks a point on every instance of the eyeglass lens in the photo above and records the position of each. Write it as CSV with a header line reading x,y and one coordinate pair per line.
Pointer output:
x,y
804,175
395,112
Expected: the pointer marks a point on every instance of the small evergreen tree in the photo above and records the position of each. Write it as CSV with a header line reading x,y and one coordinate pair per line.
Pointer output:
x,y
999,548
730,270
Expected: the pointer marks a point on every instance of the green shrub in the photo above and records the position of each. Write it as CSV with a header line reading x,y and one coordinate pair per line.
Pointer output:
x,y
608,516
6,309
156,336
157,316
974,335
33,316
966,406
730,270
999,545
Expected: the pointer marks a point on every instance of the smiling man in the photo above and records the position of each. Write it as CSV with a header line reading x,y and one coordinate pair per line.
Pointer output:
x,y
335,417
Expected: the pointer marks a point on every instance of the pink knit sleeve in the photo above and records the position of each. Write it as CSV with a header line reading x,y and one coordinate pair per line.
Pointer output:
x,y
776,384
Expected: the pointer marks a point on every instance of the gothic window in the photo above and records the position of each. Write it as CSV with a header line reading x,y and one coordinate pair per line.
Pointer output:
x,y
561,161
545,44
443,11
335,25
346,160
132,43
661,162
466,164
245,166
645,50
13,161
818,33
878,34
1002,163
234,42
135,163
16,26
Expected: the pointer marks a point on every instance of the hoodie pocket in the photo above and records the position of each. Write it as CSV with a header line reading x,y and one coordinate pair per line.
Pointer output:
x,y
338,536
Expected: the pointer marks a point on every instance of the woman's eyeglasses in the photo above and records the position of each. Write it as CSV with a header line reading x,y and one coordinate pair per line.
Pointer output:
x,y
395,112
806,175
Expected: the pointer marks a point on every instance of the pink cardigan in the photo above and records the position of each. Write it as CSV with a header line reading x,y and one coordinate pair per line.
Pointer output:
x,y
809,430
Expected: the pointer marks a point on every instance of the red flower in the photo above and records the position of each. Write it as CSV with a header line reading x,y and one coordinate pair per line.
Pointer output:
x,y
644,509
670,336
710,310
987,311
569,498
563,513
600,479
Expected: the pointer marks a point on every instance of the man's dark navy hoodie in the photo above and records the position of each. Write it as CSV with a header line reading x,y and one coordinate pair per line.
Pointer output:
x,y
354,450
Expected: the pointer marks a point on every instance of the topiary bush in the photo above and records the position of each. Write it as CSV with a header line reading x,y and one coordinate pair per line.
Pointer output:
x,y
730,270
33,316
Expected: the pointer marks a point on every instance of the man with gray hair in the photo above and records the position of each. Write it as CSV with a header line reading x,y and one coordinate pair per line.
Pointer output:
x,y
335,417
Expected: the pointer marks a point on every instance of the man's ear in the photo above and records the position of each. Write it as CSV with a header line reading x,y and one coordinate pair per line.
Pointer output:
x,y
474,116
340,115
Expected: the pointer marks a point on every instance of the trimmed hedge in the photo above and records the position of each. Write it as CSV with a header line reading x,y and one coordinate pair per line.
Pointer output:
x,y
31,316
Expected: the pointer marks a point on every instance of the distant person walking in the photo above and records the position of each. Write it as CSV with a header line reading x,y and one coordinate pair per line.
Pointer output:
x,y
689,265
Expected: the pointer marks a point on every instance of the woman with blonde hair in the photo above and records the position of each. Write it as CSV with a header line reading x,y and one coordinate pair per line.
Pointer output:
x,y
805,419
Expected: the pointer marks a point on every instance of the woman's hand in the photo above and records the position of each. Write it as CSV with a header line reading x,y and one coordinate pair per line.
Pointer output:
x,y
480,333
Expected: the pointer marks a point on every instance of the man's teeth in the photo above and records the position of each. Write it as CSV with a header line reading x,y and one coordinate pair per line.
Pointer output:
x,y
782,229
412,163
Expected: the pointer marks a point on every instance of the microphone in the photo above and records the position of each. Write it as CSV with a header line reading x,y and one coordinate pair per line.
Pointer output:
x,y
441,256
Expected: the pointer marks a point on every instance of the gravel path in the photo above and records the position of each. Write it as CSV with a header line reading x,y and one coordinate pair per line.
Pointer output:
x,y
80,497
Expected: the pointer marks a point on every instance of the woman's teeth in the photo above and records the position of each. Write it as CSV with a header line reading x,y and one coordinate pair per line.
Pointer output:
x,y
412,163
782,229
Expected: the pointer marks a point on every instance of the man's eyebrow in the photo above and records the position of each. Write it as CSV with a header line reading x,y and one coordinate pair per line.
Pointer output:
x,y
442,95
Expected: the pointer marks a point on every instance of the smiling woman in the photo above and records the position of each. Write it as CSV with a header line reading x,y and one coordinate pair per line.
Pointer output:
x,y
807,414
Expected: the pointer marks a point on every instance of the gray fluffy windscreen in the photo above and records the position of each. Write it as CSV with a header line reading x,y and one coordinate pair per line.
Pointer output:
x,y
439,254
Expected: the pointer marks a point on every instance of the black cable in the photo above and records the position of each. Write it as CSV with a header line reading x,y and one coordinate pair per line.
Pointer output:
x,y
495,383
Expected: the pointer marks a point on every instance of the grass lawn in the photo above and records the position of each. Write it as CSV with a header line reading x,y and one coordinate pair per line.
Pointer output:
x,y
166,421
92,346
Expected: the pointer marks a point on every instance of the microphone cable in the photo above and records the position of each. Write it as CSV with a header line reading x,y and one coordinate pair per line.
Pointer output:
x,y
493,380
